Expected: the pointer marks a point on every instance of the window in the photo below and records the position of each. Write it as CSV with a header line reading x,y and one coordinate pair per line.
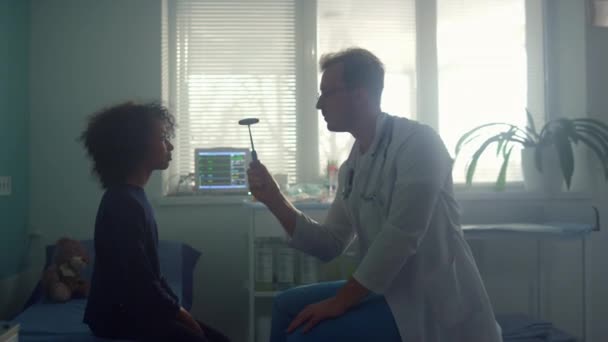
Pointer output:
x,y
482,68
252,58
235,59
385,27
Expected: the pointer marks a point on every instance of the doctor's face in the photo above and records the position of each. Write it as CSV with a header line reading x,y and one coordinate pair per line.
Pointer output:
x,y
335,100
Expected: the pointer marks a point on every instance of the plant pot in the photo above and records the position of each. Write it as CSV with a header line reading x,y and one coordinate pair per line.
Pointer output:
x,y
551,180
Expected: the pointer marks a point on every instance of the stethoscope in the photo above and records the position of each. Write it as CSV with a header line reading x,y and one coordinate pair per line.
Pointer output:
x,y
386,137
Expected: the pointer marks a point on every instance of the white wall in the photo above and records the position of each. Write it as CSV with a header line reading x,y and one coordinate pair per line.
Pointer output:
x,y
84,55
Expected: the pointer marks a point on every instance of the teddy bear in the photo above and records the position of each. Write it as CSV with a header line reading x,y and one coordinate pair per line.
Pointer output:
x,y
62,279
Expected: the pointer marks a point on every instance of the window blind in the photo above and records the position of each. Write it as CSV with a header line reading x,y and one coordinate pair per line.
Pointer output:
x,y
235,59
232,59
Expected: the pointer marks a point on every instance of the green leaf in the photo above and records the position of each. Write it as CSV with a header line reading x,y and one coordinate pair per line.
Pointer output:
x,y
595,134
475,158
568,128
602,155
459,148
543,132
471,170
500,146
538,157
502,143
603,135
531,127
565,154
464,139
501,181
593,122
598,135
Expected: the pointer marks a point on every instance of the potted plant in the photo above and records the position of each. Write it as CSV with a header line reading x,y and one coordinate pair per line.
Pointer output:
x,y
547,156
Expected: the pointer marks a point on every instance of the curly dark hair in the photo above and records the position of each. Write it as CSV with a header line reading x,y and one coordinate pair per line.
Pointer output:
x,y
117,138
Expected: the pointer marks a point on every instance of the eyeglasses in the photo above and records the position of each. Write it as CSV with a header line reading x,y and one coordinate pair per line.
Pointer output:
x,y
329,93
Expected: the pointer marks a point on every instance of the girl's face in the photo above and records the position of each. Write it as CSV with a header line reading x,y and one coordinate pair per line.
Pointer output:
x,y
159,155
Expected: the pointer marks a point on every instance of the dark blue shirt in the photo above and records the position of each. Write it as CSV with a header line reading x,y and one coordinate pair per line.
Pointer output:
x,y
127,289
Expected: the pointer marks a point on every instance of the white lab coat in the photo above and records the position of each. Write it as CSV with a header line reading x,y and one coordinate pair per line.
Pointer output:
x,y
410,244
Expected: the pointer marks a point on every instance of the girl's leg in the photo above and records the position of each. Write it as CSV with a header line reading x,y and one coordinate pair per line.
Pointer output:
x,y
172,330
212,334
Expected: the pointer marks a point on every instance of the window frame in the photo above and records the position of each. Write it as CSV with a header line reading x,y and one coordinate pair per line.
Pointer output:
x,y
307,116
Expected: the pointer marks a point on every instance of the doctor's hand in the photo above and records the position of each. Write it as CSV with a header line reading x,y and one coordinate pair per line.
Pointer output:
x,y
316,313
262,185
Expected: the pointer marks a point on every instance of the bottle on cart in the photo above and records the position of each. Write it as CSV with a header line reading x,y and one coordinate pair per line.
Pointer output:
x,y
309,269
285,262
264,257
332,180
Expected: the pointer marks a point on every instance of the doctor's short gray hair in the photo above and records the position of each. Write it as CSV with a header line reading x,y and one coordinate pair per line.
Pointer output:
x,y
361,69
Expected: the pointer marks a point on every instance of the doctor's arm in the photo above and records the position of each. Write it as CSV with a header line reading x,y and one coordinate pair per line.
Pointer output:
x,y
266,190
325,241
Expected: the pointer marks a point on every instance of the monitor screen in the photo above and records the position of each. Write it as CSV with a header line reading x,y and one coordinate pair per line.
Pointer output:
x,y
221,170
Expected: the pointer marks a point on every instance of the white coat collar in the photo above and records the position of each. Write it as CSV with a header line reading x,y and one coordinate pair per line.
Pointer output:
x,y
380,122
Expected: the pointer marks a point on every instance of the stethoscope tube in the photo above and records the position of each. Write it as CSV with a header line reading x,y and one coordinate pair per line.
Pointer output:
x,y
387,134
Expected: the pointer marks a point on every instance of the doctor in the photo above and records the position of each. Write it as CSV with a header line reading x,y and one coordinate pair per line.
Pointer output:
x,y
416,279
